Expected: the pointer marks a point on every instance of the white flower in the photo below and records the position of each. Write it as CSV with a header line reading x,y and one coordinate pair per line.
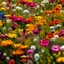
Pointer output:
x,y
53,39
26,11
36,39
33,47
62,47
52,27
42,50
4,28
4,54
58,25
7,58
36,56
56,36
37,7
41,10
52,30
14,9
45,1
19,8
4,3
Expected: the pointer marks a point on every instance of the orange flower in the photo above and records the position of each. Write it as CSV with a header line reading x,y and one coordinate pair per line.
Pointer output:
x,y
48,12
6,42
30,19
23,47
17,52
56,21
23,60
57,32
60,59
49,35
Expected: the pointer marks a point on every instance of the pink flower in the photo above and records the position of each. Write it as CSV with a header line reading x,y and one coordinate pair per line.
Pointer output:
x,y
55,48
31,4
44,42
30,52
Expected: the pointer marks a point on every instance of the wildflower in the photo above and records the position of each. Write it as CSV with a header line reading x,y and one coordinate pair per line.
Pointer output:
x,y
30,52
60,59
1,23
26,11
36,57
33,47
44,42
12,61
62,47
6,42
18,52
23,60
55,48
7,58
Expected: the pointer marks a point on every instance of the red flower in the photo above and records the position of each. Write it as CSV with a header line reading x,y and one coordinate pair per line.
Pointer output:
x,y
56,21
51,23
12,61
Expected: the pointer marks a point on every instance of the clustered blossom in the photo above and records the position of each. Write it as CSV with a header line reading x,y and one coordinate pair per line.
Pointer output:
x,y
32,32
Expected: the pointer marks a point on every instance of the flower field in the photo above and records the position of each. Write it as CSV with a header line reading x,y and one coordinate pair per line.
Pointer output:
x,y
32,32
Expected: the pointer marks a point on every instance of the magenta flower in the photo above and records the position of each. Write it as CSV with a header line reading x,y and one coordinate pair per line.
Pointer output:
x,y
55,48
44,42
30,52
31,4
36,31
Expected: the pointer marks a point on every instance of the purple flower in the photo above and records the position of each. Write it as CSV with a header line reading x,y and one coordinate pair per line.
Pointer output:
x,y
30,52
55,48
44,42
36,31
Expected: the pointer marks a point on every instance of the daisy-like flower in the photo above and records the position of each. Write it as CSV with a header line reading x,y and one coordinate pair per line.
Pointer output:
x,y
33,47
36,39
36,57
7,58
53,39
26,11
58,26
55,48
4,3
42,50
18,8
62,47
56,36
52,27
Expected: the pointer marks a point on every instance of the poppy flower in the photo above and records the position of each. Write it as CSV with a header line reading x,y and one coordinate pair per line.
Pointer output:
x,y
23,60
51,23
12,61
48,12
50,35
56,21
44,42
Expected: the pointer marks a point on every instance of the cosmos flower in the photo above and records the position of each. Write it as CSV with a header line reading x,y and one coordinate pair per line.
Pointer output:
x,y
33,47
55,48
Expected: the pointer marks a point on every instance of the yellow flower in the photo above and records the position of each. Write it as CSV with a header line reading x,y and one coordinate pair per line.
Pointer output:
x,y
17,45
12,35
3,8
7,15
1,23
30,0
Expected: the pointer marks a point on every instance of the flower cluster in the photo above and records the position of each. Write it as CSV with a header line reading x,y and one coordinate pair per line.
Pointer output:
x,y
31,31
